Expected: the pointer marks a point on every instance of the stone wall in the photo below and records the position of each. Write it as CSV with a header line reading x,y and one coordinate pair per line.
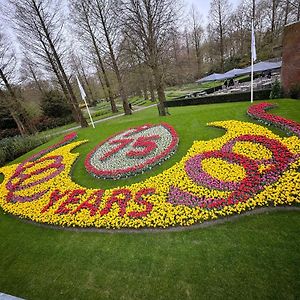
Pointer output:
x,y
290,70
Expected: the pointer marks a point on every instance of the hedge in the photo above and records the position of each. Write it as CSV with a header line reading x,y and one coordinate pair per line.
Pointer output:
x,y
13,147
238,97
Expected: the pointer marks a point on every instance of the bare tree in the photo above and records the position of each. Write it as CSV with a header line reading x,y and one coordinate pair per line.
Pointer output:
x,y
77,66
30,71
40,26
197,35
219,16
148,24
104,13
82,15
12,99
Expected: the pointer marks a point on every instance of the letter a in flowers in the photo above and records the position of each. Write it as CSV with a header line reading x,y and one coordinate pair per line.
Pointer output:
x,y
248,167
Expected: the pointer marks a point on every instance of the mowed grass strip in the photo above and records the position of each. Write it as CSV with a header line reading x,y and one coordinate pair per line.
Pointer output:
x,y
252,257
255,257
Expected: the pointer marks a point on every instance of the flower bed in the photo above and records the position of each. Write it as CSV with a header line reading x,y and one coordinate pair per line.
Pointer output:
x,y
247,167
259,112
132,151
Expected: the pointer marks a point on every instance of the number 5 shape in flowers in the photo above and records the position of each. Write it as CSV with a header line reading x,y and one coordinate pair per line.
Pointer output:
x,y
132,151
122,144
146,142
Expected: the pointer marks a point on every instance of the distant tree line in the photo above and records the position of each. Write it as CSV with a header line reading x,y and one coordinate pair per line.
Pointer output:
x,y
120,48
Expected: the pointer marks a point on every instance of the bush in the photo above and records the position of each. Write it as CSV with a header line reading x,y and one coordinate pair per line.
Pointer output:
x,y
55,105
9,132
295,91
101,113
45,123
13,147
276,91
244,96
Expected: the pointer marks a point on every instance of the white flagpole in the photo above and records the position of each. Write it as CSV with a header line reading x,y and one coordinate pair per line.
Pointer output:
x,y
83,96
253,57
251,79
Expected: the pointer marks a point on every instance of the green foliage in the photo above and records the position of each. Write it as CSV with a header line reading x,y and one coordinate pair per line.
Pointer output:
x,y
33,109
6,121
295,91
256,256
101,113
45,123
210,99
12,147
55,105
276,91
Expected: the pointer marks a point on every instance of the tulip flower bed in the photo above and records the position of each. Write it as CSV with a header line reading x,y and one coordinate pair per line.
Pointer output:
x,y
259,112
132,151
247,167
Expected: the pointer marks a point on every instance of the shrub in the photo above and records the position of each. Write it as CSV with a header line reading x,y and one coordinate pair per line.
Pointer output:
x,y
45,122
243,96
8,132
101,113
276,91
295,91
55,105
13,147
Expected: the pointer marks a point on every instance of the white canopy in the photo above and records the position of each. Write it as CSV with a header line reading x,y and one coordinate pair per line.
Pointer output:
x,y
259,67
262,67
212,77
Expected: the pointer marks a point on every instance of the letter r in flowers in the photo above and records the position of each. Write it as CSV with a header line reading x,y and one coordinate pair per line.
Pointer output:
x,y
92,203
121,197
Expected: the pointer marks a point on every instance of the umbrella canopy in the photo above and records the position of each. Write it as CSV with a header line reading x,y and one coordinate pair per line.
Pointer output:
x,y
231,74
212,77
259,67
262,67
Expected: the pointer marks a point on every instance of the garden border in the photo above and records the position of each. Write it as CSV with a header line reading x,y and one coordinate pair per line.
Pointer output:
x,y
151,230
225,98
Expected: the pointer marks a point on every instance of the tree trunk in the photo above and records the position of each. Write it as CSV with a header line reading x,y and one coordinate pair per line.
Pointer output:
x,y
36,80
90,92
100,62
273,19
151,88
73,99
17,111
60,81
221,38
123,96
143,81
160,90
22,129
187,45
107,83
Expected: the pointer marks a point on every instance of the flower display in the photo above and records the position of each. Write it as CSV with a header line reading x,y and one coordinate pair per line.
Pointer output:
x,y
132,151
259,112
248,167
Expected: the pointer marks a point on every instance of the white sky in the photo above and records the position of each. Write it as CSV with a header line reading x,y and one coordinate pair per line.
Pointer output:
x,y
203,6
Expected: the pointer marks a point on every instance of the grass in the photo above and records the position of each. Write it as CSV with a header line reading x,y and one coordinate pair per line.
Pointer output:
x,y
252,257
181,90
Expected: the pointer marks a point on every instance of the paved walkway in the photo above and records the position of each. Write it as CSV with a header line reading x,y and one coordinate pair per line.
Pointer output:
x,y
8,297
103,120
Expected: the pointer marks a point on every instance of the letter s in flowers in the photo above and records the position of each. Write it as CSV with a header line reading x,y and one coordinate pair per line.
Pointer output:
x,y
248,167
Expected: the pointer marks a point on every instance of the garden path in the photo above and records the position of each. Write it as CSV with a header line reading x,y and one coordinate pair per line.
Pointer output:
x,y
8,297
136,108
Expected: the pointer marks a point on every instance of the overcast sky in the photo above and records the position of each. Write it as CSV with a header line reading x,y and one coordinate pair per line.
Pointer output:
x,y
203,6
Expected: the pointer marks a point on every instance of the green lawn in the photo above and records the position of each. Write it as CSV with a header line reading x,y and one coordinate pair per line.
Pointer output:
x,y
184,89
254,257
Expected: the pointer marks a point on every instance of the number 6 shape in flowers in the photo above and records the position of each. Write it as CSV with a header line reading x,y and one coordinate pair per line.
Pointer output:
x,y
248,167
